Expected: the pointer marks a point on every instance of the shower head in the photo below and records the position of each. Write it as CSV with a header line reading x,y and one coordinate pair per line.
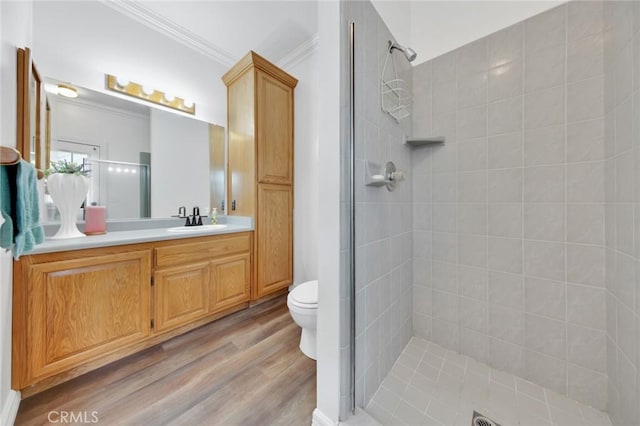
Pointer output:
x,y
409,53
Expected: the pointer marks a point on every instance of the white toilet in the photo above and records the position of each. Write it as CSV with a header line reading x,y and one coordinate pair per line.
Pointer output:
x,y
303,307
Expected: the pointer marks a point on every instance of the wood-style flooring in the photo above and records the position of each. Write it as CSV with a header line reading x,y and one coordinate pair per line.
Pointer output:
x,y
245,369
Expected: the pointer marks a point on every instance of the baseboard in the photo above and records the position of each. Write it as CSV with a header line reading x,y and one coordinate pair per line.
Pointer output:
x,y
360,418
10,409
321,419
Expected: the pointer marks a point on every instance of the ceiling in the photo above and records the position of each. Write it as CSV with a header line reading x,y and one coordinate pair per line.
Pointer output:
x,y
227,30
284,30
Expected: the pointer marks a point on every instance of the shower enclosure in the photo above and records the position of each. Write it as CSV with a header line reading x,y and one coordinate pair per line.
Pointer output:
x,y
501,277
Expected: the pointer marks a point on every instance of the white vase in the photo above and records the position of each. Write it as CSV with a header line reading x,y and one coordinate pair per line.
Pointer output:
x,y
68,191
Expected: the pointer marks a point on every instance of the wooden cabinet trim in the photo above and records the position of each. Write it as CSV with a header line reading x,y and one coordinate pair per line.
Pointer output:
x,y
258,62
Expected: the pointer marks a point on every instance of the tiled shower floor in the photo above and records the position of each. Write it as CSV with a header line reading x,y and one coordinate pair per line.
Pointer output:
x,y
430,385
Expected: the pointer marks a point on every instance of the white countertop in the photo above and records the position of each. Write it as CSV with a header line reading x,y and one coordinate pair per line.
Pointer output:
x,y
118,238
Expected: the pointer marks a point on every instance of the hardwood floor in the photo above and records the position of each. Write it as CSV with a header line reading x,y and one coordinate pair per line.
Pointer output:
x,y
245,369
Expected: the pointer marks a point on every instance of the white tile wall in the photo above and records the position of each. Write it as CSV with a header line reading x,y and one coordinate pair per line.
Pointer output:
x,y
517,200
622,213
385,239
521,235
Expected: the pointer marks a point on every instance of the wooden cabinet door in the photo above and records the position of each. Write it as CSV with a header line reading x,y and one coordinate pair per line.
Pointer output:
x,y
181,295
230,281
81,309
274,130
274,234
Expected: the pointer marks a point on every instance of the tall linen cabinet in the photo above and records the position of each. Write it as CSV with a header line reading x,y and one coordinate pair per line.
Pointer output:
x,y
260,165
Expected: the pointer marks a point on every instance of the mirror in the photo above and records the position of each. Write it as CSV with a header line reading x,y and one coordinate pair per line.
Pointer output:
x,y
136,154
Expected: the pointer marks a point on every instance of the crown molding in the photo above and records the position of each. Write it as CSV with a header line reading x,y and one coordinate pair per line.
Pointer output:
x,y
143,14
300,53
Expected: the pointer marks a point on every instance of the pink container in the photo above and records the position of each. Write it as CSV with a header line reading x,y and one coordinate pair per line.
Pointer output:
x,y
95,220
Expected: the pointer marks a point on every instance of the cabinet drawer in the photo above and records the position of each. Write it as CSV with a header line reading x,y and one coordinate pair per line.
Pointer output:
x,y
184,253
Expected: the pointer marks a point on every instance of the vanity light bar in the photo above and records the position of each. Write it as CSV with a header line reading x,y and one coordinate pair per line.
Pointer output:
x,y
148,94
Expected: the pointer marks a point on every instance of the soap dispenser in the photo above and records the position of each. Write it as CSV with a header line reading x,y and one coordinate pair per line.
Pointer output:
x,y
214,216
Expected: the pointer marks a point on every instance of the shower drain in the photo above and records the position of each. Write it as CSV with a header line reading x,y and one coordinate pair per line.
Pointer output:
x,y
480,420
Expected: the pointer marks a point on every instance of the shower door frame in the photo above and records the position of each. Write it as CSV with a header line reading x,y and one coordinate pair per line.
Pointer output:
x,y
352,218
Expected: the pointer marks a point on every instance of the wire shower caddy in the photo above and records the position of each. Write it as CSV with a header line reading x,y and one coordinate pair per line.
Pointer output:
x,y
394,93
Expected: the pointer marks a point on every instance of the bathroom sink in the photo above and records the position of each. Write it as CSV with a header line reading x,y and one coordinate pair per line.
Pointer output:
x,y
188,229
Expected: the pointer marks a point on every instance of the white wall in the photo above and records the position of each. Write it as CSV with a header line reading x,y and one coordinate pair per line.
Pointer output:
x,y
307,209
329,315
101,40
15,27
179,164
432,28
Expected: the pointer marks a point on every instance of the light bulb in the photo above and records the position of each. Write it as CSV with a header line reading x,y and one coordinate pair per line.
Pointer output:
x,y
133,171
169,97
148,90
67,91
118,170
122,82
188,103
110,169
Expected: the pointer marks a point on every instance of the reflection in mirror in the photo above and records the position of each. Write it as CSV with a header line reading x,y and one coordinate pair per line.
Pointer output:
x,y
35,121
144,162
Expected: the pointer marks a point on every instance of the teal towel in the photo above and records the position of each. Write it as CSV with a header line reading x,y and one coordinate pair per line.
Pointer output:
x,y
6,229
22,207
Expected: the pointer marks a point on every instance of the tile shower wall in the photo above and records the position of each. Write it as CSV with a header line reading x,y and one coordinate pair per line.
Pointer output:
x,y
384,255
622,211
509,258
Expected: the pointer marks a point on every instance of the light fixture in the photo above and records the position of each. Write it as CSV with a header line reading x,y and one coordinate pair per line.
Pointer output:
x,y
67,91
122,82
147,93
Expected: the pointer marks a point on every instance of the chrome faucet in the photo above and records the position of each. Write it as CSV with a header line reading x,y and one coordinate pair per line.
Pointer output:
x,y
182,212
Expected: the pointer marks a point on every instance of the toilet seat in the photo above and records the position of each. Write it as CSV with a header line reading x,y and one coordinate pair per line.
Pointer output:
x,y
304,295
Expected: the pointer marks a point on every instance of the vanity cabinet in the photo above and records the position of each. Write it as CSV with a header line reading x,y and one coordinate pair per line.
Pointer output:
x,y
196,279
69,309
77,310
260,165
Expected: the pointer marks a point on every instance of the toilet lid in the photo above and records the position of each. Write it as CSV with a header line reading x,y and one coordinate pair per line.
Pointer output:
x,y
305,293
